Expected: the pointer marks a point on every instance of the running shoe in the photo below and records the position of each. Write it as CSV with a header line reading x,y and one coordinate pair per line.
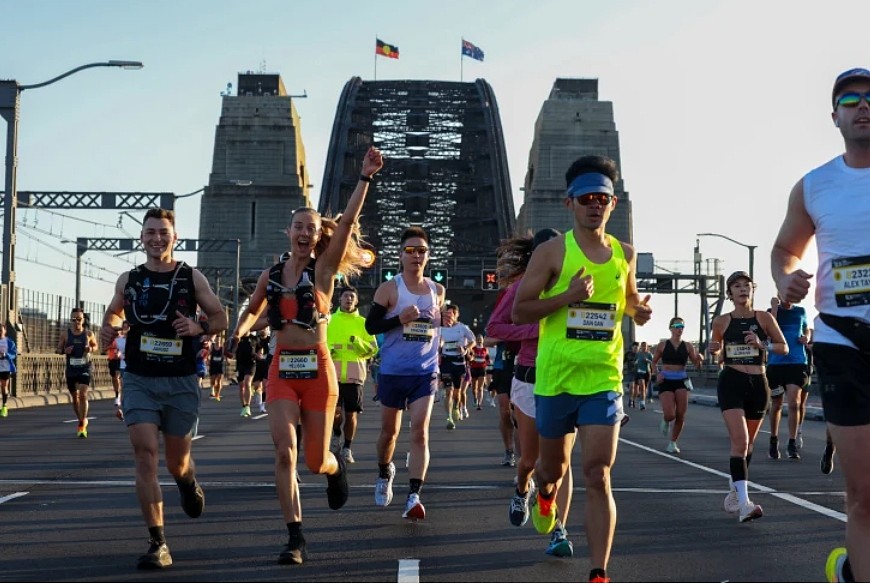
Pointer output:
x,y
246,411
732,502
599,579
642,405
518,512
827,463
478,407
384,488
456,415
544,514
414,508
4,412
337,489
559,545
664,427
117,401
750,511
509,460
157,557
800,440
774,448
465,412
217,397
837,568
347,454
450,424
792,451
294,552
673,448
192,498
262,408
82,432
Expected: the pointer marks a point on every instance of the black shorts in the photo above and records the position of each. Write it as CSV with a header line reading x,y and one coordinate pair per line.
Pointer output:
x,y
843,373
74,379
261,370
641,376
114,367
244,369
477,373
782,375
216,369
501,381
5,375
673,385
452,373
350,396
748,392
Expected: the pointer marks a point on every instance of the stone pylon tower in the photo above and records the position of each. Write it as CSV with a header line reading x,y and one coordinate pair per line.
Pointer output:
x,y
572,123
258,177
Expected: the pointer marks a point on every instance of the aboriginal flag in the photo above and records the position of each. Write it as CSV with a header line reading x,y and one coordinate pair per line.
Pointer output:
x,y
382,48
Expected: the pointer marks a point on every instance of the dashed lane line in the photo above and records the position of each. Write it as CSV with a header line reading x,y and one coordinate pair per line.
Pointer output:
x,y
5,499
409,571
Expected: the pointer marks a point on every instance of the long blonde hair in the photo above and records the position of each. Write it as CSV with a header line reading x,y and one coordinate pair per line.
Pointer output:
x,y
353,260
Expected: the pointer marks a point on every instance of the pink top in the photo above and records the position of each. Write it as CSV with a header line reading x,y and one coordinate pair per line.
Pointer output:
x,y
501,327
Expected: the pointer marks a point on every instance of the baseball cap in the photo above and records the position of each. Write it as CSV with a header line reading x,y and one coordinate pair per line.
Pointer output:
x,y
845,77
739,274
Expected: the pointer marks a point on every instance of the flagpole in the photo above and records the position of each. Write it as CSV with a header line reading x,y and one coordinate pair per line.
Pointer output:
x,y
376,58
460,59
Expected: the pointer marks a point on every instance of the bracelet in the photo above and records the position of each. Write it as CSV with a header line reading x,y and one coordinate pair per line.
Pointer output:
x,y
366,178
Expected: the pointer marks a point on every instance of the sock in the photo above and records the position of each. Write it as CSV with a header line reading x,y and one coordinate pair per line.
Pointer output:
x,y
347,443
742,491
294,528
791,442
336,431
545,501
156,533
416,486
597,573
738,476
384,470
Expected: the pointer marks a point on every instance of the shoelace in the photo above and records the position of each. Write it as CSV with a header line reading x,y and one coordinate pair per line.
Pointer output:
x,y
518,504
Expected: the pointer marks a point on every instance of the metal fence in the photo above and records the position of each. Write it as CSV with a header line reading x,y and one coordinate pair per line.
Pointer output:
x,y
44,316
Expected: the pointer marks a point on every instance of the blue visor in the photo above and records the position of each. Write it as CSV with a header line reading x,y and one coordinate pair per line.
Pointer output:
x,y
590,183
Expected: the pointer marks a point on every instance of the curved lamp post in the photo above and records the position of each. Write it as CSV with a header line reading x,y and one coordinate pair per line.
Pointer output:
x,y
10,98
750,248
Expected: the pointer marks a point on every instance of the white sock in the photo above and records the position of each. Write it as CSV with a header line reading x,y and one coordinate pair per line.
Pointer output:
x,y
742,491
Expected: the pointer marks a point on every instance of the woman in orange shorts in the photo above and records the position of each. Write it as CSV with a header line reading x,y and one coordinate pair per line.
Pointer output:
x,y
301,385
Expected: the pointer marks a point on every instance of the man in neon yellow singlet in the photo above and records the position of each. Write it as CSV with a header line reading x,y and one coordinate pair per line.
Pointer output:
x,y
579,286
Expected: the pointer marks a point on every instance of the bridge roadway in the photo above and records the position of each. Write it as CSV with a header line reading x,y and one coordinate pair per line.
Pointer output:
x,y
68,510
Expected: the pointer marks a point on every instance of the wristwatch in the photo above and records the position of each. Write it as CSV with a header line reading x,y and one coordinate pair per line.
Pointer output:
x,y
205,327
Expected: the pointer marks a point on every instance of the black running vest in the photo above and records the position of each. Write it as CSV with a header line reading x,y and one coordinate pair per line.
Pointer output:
x,y
737,351
672,356
151,299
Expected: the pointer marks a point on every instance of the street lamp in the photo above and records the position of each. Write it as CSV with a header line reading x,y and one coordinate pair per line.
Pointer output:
x,y
751,251
10,99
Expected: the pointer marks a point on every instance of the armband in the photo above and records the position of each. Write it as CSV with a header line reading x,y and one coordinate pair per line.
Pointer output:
x,y
376,321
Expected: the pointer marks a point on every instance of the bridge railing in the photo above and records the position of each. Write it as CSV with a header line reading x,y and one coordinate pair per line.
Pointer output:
x,y
44,316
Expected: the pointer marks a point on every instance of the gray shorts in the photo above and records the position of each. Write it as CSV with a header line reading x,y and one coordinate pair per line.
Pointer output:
x,y
171,403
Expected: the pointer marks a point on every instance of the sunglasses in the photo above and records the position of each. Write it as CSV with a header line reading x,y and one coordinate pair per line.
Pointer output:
x,y
77,319
678,326
590,198
852,99
415,250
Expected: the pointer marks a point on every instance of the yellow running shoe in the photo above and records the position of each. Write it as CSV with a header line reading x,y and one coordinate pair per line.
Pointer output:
x,y
834,568
544,514
4,412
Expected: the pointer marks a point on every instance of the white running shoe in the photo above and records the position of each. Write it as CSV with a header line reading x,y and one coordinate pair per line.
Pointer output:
x,y
664,427
117,401
732,502
750,511
384,488
347,454
464,413
262,408
414,508
673,448
800,440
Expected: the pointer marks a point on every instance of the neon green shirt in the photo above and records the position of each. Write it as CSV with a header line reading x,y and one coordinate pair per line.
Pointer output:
x,y
349,356
580,346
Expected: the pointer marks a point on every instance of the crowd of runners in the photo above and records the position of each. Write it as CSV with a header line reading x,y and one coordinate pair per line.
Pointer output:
x,y
551,357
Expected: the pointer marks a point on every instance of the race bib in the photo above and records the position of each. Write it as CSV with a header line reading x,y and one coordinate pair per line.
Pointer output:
x,y
419,331
217,358
851,281
78,361
591,321
160,346
297,364
737,351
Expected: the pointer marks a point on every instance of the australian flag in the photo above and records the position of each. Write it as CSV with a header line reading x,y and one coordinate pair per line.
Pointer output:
x,y
470,50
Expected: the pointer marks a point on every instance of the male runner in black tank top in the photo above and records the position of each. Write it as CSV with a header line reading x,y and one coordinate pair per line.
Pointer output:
x,y
77,343
159,299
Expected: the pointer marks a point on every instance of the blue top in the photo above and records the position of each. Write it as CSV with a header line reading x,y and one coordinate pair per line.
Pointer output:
x,y
793,323
412,349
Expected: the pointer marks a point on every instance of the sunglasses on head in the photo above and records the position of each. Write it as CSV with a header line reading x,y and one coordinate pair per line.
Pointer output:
x,y
415,249
852,99
599,198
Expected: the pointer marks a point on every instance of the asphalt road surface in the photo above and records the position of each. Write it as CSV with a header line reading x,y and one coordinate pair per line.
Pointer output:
x,y
68,510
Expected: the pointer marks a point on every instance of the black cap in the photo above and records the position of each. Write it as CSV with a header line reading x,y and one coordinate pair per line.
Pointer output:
x,y
739,274
845,77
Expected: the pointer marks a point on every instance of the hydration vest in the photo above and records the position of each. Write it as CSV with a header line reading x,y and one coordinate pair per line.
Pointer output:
x,y
307,316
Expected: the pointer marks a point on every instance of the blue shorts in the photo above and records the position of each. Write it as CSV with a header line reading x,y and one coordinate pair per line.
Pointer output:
x,y
171,403
400,391
557,416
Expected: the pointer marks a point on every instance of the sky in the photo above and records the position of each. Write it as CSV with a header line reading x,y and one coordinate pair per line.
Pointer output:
x,y
721,107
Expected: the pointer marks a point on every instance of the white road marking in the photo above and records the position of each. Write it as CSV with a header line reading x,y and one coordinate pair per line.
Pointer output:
x,y
197,437
5,499
259,416
75,420
788,497
409,571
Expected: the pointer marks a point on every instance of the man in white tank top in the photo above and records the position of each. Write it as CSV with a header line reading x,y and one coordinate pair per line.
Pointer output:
x,y
832,204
